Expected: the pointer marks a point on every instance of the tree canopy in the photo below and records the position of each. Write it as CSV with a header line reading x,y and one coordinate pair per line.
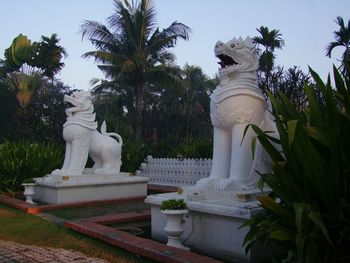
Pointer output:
x,y
134,53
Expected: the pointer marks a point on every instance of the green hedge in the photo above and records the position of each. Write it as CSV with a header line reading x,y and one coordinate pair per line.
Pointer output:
x,y
22,160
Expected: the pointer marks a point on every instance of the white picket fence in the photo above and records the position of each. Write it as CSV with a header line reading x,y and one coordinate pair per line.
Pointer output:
x,y
173,171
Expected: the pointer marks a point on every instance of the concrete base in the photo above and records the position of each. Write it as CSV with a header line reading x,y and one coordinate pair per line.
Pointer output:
x,y
88,187
213,225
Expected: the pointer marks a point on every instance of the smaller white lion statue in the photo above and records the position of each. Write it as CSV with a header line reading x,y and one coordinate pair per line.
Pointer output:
x,y
82,139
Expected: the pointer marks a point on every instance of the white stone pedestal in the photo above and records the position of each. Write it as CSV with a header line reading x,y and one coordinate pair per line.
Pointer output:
x,y
53,189
212,225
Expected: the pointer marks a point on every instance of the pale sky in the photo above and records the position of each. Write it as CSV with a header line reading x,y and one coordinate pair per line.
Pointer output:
x,y
307,27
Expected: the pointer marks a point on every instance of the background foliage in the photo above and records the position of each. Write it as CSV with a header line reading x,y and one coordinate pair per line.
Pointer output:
x,y
23,159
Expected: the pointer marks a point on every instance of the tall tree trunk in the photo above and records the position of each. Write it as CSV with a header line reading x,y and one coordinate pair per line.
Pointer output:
x,y
187,117
140,106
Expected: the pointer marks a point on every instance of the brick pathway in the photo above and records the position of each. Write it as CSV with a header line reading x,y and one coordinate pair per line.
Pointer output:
x,y
11,252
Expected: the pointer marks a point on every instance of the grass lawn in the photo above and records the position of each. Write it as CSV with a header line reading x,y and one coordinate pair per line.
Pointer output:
x,y
91,211
28,229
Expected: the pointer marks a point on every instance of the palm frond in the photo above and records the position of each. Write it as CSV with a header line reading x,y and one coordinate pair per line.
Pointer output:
x,y
269,39
330,48
96,30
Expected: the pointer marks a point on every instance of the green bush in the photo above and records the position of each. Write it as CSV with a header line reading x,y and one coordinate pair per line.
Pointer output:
x,y
162,148
133,154
22,160
173,204
308,211
28,181
196,148
135,151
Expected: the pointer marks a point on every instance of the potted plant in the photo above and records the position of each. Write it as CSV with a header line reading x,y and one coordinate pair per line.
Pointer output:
x,y
29,185
174,210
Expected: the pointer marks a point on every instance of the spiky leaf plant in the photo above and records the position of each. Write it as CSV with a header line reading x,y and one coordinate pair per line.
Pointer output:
x,y
308,211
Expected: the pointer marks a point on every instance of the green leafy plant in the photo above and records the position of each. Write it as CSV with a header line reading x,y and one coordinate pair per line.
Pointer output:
x,y
195,148
133,154
28,181
308,211
21,160
173,204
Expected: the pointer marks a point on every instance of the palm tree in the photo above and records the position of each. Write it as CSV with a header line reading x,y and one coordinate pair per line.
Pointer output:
x,y
133,51
270,40
342,39
195,87
50,55
292,84
25,65
2,69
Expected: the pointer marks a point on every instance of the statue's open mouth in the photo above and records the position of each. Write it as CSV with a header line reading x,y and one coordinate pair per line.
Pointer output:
x,y
68,105
225,61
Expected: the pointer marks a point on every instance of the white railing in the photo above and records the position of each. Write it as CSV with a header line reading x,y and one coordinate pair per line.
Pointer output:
x,y
174,172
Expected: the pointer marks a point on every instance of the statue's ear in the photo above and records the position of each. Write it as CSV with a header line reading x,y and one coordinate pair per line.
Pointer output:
x,y
249,42
88,93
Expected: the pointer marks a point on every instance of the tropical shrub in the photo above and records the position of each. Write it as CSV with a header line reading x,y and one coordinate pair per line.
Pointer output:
x,y
308,210
22,160
133,154
195,148
164,148
28,181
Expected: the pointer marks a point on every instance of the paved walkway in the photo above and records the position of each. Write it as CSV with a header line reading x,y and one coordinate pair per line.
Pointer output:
x,y
11,252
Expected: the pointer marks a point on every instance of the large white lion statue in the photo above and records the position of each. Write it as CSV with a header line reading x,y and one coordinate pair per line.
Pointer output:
x,y
82,139
236,102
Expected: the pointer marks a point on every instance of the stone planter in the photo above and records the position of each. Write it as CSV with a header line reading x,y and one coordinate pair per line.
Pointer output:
x,y
29,192
174,227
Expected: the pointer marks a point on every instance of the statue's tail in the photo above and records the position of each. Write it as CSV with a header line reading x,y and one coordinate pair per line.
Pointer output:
x,y
111,134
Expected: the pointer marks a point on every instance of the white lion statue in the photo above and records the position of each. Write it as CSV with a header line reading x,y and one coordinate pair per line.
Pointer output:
x,y
236,102
82,139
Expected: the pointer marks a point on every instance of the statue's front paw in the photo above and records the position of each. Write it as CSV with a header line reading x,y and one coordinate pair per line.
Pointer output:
x,y
205,183
62,172
88,171
225,184
57,172
73,172
103,171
